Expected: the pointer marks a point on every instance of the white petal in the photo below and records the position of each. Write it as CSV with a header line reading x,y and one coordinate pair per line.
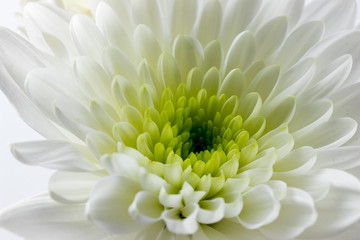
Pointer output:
x,y
151,182
117,63
55,154
146,44
310,115
266,41
336,46
333,133
260,207
339,158
304,37
265,80
15,51
279,139
40,19
296,162
72,187
337,15
45,85
146,208
211,211
182,224
87,37
100,143
123,11
314,184
92,77
188,53
181,16
233,84
40,217
340,70
121,164
211,15
113,29
281,113
233,204
152,231
28,111
291,9
241,53
297,213
109,203
232,231
76,112
340,208
295,80
237,16
213,55
149,12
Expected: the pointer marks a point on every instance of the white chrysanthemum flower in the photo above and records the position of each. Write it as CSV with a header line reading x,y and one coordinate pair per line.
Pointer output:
x,y
183,119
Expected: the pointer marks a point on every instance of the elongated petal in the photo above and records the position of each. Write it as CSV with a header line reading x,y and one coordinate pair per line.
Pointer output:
x,y
40,217
72,187
334,218
260,207
54,154
297,213
109,203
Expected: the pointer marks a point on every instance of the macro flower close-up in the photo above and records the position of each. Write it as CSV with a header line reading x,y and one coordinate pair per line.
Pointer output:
x,y
187,119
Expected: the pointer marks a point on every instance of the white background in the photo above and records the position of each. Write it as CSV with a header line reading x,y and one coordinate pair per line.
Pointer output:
x,y
17,181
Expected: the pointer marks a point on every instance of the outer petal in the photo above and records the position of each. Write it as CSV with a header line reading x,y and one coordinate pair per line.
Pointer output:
x,y
296,214
54,154
340,208
72,187
40,217
260,207
109,203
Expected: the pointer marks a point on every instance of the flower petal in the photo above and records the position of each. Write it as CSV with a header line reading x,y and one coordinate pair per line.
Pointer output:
x,y
121,164
211,15
297,213
40,217
87,37
72,187
181,15
146,208
330,134
260,207
55,154
336,16
183,221
109,203
340,208
241,53
304,37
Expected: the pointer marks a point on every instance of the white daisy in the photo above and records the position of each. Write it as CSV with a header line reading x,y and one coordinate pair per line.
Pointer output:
x,y
183,119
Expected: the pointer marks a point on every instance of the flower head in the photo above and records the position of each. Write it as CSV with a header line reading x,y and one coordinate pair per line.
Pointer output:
x,y
188,119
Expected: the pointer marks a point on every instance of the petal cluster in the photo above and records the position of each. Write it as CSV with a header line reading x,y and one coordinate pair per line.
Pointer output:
x,y
206,119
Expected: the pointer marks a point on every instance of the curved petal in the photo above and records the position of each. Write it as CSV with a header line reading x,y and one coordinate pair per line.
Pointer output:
x,y
72,187
40,217
146,208
340,207
183,221
297,213
55,154
109,203
260,207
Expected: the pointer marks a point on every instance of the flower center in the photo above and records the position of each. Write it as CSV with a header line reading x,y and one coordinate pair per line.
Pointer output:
x,y
202,132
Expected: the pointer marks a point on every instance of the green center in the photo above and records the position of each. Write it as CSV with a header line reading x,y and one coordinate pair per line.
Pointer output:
x,y
203,131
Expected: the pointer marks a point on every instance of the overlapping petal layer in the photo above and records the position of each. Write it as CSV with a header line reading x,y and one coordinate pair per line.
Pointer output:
x,y
190,119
